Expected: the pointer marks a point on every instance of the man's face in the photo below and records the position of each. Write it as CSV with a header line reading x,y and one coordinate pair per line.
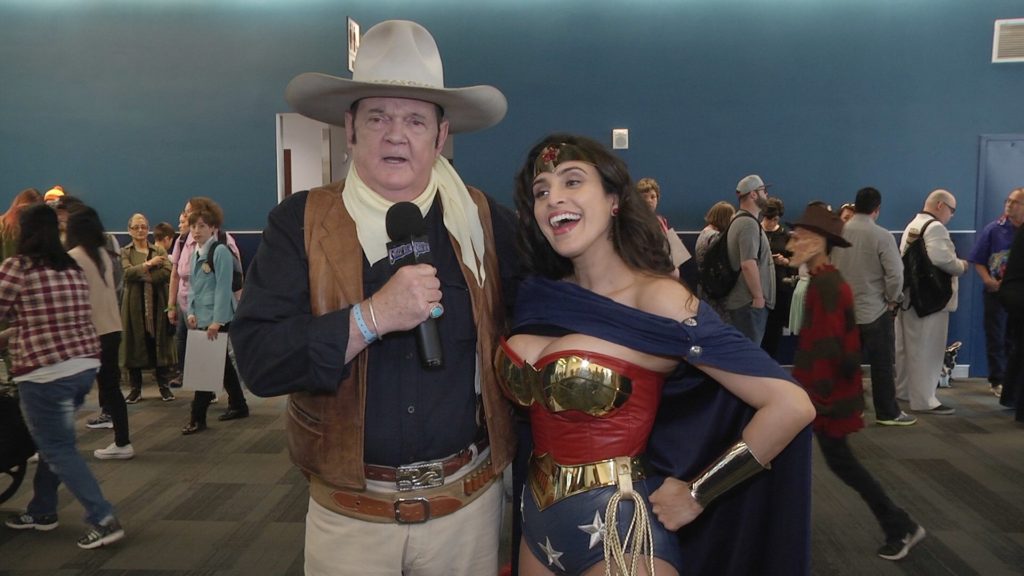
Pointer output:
x,y
804,244
1015,207
760,197
394,142
945,211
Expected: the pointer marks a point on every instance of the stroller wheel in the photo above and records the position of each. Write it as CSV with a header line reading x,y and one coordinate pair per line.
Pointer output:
x,y
16,474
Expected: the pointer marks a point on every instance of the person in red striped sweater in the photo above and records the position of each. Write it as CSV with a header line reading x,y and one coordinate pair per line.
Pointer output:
x,y
827,365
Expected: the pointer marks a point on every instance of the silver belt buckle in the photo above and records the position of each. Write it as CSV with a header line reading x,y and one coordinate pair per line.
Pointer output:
x,y
418,476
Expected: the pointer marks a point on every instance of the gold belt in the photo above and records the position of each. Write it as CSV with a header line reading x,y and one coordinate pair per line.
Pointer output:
x,y
551,481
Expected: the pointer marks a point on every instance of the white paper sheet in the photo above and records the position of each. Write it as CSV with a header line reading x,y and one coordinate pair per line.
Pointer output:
x,y
204,361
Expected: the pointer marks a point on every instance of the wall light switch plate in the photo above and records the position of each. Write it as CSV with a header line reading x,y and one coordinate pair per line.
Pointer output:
x,y
620,138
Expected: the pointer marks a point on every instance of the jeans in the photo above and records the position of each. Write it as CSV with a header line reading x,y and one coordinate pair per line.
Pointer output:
x,y
109,383
49,410
750,321
895,522
878,342
997,341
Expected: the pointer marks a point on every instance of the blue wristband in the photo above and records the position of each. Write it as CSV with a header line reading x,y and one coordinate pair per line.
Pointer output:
x,y
368,336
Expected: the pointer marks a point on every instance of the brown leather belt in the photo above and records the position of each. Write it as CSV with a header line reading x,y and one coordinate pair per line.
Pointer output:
x,y
405,507
425,474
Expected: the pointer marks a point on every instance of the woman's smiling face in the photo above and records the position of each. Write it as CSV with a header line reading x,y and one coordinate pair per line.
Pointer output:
x,y
571,207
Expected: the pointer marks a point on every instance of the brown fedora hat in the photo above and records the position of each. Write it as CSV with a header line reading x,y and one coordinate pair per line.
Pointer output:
x,y
821,220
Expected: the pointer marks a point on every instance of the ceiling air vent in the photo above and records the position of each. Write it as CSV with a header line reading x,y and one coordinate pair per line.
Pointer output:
x,y
1008,41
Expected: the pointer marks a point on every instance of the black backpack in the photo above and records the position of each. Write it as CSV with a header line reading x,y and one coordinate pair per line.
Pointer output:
x,y
236,274
716,274
929,287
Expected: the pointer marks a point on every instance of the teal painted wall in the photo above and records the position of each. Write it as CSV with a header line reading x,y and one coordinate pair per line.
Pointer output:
x,y
138,105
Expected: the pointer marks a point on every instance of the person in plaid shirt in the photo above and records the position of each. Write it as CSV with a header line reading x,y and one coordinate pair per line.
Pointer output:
x,y
44,296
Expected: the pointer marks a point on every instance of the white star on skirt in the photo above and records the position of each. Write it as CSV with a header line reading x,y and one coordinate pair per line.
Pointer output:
x,y
553,555
595,529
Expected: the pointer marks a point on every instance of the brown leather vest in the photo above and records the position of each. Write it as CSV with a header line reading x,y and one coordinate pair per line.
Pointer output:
x,y
325,431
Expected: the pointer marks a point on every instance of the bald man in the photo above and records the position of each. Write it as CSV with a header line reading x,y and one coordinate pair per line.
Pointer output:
x,y
921,341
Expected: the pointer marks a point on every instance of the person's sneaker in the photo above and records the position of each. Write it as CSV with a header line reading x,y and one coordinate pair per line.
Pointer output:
x,y
106,532
101,421
903,419
115,452
940,410
34,458
998,390
30,522
175,382
898,549
166,395
215,399
134,396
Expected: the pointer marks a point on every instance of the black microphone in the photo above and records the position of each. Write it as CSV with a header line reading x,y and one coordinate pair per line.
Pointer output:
x,y
409,245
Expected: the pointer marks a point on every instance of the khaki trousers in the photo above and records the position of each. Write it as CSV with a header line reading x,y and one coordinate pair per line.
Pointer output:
x,y
464,543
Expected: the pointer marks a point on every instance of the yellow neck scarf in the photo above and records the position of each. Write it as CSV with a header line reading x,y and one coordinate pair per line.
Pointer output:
x,y
369,211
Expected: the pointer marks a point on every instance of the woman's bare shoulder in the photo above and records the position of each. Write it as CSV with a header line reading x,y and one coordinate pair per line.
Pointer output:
x,y
666,297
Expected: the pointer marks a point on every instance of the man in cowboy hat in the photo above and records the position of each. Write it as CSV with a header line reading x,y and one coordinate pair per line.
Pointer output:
x,y
404,462
827,365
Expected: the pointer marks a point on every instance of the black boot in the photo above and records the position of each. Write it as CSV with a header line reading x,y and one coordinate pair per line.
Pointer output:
x,y
197,419
135,380
163,380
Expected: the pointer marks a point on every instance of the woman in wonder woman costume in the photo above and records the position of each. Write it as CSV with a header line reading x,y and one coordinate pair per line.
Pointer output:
x,y
598,329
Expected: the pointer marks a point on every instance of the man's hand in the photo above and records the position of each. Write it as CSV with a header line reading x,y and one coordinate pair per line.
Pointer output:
x,y
674,505
405,301
992,285
758,302
191,322
172,316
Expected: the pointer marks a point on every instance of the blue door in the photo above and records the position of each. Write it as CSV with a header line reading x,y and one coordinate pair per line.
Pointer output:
x,y
1000,170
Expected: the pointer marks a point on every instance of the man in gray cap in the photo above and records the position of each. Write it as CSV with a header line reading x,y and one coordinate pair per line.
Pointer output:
x,y
404,460
747,304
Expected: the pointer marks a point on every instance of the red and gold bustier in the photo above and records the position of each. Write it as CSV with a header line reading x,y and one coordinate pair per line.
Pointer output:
x,y
584,406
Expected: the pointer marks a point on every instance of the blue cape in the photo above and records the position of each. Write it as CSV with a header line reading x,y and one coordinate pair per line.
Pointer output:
x,y
763,525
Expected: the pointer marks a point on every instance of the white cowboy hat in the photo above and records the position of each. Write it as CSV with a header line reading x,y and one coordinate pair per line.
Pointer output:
x,y
396,59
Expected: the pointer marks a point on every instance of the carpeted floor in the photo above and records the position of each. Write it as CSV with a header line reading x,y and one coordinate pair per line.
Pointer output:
x,y
227,501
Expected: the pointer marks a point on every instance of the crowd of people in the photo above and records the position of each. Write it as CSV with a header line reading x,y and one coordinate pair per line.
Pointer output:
x,y
76,308
648,427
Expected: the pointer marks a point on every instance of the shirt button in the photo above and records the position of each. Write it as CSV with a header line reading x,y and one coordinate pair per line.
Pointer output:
x,y
411,409
690,321
696,350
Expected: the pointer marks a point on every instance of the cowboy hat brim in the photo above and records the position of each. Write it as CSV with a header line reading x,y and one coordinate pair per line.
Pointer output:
x,y
327,98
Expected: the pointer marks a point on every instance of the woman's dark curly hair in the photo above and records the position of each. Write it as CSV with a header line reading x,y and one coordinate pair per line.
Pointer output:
x,y
39,238
635,232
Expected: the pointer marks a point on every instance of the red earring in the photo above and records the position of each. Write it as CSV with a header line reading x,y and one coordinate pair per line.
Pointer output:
x,y
615,211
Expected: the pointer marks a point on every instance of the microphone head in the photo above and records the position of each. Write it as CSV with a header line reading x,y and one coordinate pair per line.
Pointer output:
x,y
404,220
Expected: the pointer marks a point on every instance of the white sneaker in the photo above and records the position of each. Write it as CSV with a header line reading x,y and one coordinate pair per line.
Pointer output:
x,y
115,452
214,401
34,458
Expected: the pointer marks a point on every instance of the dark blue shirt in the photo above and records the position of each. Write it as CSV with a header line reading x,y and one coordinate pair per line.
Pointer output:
x,y
412,413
